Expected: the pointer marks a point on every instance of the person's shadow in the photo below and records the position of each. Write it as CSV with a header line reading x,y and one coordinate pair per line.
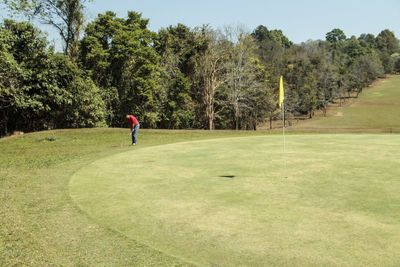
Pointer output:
x,y
228,176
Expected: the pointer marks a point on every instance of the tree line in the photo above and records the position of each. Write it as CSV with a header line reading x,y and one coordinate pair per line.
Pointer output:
x,y
179,77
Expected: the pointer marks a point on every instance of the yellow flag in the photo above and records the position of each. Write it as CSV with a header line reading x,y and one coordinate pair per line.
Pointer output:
x,y
281,93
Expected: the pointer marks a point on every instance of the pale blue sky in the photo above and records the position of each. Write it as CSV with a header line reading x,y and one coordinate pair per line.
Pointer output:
x,y
299,20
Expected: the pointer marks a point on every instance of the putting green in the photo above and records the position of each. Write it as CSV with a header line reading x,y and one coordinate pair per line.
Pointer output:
x,y
225,201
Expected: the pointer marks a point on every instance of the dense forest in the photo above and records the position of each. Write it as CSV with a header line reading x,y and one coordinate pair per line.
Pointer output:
x,y
180,77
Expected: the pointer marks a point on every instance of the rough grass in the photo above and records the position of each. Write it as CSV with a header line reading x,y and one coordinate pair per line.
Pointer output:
x,y
225,202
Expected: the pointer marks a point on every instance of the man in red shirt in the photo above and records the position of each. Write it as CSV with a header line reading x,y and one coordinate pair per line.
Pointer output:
x,y
134,124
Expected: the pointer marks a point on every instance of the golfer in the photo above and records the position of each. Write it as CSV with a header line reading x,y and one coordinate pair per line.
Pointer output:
x,y
134,124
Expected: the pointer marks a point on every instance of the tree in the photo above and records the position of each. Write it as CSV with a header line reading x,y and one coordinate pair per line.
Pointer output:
x,y
302,90
364,71
210,72
354,49
83,105
40,90
396,59
177,47
120,57
368,39
177,109
335,36
387,44
11,97
261,33
245,85
66,16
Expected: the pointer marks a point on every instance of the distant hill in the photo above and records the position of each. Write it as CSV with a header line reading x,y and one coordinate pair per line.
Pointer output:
x,y
376,110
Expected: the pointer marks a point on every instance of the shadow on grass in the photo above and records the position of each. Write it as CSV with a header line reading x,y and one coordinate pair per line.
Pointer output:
x,y
227,176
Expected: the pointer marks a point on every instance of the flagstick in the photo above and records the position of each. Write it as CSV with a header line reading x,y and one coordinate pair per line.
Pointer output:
x,y
284,143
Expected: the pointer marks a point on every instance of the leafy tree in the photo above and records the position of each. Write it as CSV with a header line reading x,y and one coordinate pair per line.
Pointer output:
x,y
121,59
387,44
177,109
396,59
367,40
302,82
11,97
335,36
176,46
261,33
83,105
325,72
41,90
354,49
66,16
364,71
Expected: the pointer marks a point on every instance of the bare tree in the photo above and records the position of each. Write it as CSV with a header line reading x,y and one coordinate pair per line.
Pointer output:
x,y
248,93
210,70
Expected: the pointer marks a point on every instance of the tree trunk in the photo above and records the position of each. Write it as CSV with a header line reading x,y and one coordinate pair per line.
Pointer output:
x,y
210,110
5,122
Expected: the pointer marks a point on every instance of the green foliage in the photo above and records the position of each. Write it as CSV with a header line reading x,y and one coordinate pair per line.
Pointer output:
x,y
367,40
178,78
386,42
302,87
335,36
118,54
176,47
65,16
83,106
25,7
41,90
261,33
364,71
396,59
177,109
387,45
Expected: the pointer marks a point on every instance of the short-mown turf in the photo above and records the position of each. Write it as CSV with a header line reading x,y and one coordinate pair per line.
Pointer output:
x,y
225,202
39,223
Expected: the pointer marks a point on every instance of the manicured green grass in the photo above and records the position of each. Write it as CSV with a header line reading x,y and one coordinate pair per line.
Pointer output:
x,y
377,108
39,223
225,202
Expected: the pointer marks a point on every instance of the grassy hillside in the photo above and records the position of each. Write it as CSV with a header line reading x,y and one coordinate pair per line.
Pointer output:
x,y
377,109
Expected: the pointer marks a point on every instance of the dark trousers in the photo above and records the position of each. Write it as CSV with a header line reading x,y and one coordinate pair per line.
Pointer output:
x,y
135,134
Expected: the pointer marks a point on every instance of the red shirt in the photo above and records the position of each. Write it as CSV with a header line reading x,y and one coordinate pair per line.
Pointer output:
x,y
132,120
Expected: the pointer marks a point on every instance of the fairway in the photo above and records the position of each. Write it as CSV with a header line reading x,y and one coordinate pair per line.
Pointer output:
x,y
376,109
225,201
